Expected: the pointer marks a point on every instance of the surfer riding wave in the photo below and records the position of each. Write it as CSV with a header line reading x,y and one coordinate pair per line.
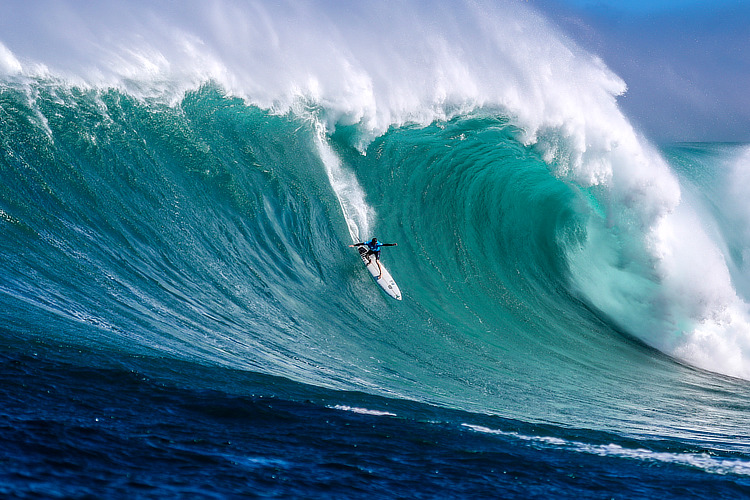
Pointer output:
x,y
373,248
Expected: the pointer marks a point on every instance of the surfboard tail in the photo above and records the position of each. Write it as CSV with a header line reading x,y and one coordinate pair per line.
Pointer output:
x,y
386,281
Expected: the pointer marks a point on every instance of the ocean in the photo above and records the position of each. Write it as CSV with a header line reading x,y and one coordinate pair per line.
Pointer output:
x,y
181,315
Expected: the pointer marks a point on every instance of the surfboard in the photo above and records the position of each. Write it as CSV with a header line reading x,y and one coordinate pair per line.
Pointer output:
x,y
386,281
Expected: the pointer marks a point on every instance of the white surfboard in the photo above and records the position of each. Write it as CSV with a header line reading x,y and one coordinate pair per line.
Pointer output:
x,y
386,281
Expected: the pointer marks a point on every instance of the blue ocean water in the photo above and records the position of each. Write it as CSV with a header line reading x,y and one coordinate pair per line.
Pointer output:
x,y
181,315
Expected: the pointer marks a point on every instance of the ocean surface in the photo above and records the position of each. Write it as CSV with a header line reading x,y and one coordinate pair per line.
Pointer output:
x,y
181,315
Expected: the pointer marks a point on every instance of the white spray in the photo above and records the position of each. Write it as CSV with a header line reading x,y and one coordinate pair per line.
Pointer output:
x,y
349,193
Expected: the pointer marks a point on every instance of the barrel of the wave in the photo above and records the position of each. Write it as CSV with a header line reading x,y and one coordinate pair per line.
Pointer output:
x,y
369,251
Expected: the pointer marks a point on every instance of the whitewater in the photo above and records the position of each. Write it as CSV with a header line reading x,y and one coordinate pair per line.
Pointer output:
x,y
180,184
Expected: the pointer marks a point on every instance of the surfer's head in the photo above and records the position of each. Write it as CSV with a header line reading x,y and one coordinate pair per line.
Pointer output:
x,y
374,240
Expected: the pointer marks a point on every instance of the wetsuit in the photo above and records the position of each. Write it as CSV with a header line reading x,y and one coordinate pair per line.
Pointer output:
x,y
373,247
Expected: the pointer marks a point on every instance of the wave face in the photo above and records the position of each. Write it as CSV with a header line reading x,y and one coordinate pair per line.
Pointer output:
x,y
211,232
373,68
190,196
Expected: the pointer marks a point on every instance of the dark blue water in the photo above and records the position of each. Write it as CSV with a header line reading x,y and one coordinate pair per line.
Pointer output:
x,y
129,432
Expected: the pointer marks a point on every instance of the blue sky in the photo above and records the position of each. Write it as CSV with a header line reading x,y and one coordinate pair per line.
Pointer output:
x,y
686,62
646,6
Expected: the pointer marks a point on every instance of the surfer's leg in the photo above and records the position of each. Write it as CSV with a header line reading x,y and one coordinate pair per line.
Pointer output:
x,y
377,259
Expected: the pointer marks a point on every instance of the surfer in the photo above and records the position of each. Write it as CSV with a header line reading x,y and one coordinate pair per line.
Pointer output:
x,y
373,248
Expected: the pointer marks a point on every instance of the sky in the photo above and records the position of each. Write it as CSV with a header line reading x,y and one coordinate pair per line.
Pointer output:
x,y
686,62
